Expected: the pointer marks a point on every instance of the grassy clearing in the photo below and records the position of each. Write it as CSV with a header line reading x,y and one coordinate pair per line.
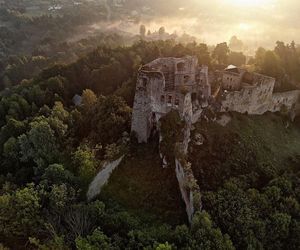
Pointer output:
x,y
274,139
255,148
144,188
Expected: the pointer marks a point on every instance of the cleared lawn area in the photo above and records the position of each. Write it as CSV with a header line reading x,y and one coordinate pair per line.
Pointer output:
x,y
143,187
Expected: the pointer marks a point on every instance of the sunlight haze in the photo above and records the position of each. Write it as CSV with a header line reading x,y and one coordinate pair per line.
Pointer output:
x,y
256,22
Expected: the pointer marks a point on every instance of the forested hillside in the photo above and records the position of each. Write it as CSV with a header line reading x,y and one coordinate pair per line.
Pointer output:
x,y
51,149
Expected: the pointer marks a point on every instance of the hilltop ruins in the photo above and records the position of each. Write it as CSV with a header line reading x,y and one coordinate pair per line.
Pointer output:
x,y
181,84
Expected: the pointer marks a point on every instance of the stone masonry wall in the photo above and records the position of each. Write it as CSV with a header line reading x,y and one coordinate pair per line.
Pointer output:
x,y
186,194
231,81
250,99
141,112
102,177
168,83
260,99
187,183
286,100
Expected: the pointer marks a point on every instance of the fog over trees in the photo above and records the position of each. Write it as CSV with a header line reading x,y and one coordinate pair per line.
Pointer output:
x,y
51,147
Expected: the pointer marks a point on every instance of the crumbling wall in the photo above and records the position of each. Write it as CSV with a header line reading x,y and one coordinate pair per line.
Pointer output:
x,y
152,101
190,191
259,98
285,101
141,111
231,81
202,82
250,99
102,177
187,195
185,70
147,104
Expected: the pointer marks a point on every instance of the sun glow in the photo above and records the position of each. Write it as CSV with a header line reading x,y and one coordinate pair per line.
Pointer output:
x,y
245,26
250,3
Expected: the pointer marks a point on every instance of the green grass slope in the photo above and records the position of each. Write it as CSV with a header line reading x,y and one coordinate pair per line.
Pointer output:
x,y
144,188
255,148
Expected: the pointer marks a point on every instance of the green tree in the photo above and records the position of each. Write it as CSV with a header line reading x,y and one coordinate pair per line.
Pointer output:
x,y
88,99
142,31
271,65
220,53
85,163
236,44
20,214
259,58
235,215
205,236
165,246
98,240
111,117
39,144
171,131
201,51
278,230
161,31
237,58
57,174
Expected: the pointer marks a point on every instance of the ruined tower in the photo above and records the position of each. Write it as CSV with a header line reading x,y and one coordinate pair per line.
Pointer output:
x,y
163,85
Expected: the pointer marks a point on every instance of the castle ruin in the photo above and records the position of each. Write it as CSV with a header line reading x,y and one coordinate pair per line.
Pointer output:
x,y
181,84
166,84
253,93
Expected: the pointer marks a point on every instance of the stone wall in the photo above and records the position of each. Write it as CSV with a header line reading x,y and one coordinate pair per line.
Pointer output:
x,y
178,83
190,190
185,71
141,111
259,99
285,101
153,100
205,87
187,195
102,177
250,99
231,81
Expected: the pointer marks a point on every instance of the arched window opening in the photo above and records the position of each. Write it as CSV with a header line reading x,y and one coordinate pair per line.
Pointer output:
x,y
180,66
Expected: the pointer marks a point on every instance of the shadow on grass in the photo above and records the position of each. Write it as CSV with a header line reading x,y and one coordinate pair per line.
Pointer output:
x,y
144,188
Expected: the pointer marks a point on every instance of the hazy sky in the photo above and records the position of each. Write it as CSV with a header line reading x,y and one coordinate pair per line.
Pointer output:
x,y
259,22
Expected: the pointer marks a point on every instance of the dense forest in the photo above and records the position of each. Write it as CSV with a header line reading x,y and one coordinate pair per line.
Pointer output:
x,y
51,150
51,147
29,43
